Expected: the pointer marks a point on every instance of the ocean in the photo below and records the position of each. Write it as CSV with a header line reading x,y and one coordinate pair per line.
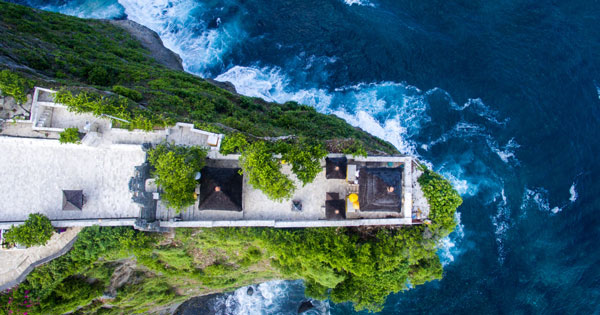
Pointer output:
x,y
501,97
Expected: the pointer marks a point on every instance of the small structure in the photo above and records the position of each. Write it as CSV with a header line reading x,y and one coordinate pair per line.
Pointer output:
x,y
221,189
73,200
380,189
334,209
335,168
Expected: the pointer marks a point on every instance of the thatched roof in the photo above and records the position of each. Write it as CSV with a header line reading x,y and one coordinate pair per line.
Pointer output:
x,y
221,189
335,168
380,189
335,209
73,200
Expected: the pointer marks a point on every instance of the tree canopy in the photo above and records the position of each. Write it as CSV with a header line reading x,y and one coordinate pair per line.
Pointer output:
x,y
174,168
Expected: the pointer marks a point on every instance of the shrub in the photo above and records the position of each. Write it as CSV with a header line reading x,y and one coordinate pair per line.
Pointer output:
x,y
127,92
11,84
234,143
305,158
175,167
264,172
36,231
443,201
355,148
69,135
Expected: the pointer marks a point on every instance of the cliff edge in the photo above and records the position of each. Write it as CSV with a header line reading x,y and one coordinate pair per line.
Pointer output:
x,y
151,41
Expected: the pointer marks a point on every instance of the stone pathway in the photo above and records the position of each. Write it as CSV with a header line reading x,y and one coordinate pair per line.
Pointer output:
x,y
15,264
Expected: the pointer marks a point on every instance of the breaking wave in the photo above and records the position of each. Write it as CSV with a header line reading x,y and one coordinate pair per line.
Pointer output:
x,y
202,36
573,193
273,297
365,3
502,223
448,249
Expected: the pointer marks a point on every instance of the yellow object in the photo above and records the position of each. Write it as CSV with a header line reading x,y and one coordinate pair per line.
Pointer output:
x,y
353,198
195,196
283,162
356,205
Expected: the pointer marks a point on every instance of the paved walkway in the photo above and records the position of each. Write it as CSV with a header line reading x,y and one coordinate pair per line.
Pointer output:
x,y
15,264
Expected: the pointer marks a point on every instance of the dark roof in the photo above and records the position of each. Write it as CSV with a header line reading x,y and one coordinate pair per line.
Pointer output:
x,y
380,189
331,206
220,189
72,200
336,168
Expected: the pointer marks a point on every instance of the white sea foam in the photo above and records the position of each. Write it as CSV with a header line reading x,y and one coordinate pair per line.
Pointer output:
x,y
573,193
359,2
360,105
502,223
481,109
507,152
184,33
448,250
538,198
263,298
96,9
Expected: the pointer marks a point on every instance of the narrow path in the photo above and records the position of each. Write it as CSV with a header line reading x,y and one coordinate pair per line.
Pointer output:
x,y
16,264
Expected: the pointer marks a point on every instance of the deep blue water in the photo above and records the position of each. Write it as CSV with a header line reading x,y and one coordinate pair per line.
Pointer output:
x,y
502,97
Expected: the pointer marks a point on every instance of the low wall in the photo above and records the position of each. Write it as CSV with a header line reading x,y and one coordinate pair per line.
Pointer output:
x,y
285,224
78,222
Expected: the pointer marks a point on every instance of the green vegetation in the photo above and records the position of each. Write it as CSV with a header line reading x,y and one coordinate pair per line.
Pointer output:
x,y
355,148
264,172
175,167
263,169
59,286
105,104
443,200
36,230
12,84
69,135
127,92
77,53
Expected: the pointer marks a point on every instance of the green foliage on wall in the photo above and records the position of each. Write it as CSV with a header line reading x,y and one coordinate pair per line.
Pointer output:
x,y
36,230
175,167
83,101
69,135
12,84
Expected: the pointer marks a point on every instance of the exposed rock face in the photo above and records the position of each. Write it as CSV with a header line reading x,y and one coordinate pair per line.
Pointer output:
x,y
224,85
151,41
305,306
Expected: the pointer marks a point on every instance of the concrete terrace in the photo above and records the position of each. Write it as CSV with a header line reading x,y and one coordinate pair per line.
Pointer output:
x,y
41,169
109,168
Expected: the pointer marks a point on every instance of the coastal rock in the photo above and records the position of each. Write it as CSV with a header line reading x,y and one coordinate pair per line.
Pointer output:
x,y
226,85
305,306
151,41
250,291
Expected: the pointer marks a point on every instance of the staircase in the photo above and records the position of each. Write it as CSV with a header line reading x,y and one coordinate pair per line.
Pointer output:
x,y
45,116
